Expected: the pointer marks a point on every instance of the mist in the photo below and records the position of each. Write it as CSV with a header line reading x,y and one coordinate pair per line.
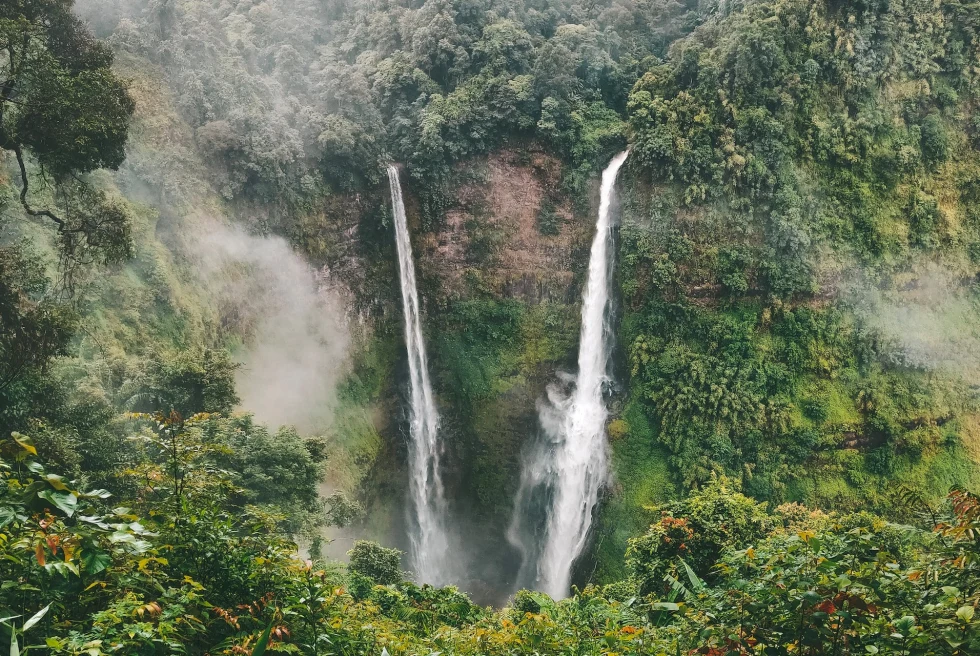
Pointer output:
x,y
233,75
292,323
926,321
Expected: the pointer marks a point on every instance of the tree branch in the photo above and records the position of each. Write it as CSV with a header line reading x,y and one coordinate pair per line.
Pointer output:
x,y
23,193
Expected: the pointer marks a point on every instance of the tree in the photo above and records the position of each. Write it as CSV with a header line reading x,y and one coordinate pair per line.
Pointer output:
x,y
378,563
61,102
188,382
33,327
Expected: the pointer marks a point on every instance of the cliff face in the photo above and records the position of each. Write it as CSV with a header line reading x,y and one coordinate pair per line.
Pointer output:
x,y
511,228
500,272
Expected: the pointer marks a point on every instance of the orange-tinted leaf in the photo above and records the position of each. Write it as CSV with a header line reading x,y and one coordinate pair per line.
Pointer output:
x,y
826,607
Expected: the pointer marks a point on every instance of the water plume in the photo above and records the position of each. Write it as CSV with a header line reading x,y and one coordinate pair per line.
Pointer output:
x,y
564,474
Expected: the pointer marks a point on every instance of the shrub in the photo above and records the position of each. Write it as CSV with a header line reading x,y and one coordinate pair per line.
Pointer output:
x,y
380,564
935,140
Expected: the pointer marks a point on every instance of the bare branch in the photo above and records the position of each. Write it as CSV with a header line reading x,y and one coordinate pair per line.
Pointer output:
x,y
23,194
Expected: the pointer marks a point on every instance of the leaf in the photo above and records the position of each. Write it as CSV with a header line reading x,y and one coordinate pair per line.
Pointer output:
x,y
263,640
35,618
66,502
14,647
24,442
57,482
95,521
666,605
965,613
94,561
696,583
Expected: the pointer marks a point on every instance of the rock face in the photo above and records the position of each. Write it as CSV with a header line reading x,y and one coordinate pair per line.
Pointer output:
x,y
494,228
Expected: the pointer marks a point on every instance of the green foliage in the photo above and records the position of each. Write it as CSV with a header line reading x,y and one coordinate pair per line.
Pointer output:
x,y
695,532
784,169
278,469
936,144
549,221
780,139
61,102
188,382
477,334
34,328
380,564
207,576
428,84
70,111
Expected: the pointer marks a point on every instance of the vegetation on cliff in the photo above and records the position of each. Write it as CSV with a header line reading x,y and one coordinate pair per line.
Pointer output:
x,y
794,281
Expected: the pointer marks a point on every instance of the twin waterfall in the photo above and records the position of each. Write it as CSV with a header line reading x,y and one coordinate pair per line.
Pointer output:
x,y
430,545
561,478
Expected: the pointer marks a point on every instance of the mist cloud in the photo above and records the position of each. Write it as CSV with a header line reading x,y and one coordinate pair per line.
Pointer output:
x,y
293,324
926,321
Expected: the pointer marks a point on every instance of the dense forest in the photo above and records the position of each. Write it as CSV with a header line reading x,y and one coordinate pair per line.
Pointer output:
x,y
204,433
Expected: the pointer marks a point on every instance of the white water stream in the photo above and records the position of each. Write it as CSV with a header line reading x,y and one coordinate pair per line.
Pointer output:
x,y
430,547
562,478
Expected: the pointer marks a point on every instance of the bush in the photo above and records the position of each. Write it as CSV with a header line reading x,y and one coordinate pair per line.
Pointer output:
x,y
935,140
380,564
549,221
697,530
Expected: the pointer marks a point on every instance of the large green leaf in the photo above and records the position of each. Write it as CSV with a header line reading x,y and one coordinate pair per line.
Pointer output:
x,y
94,561
7,515
696,583
263,641
66,502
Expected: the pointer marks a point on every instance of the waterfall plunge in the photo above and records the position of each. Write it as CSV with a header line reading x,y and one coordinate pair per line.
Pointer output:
x,y
563,476
430,548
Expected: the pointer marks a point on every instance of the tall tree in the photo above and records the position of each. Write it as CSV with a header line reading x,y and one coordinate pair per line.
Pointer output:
x,y
61,102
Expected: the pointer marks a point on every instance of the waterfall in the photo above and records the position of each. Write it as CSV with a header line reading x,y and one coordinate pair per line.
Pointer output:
x,y
430,549
561,478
